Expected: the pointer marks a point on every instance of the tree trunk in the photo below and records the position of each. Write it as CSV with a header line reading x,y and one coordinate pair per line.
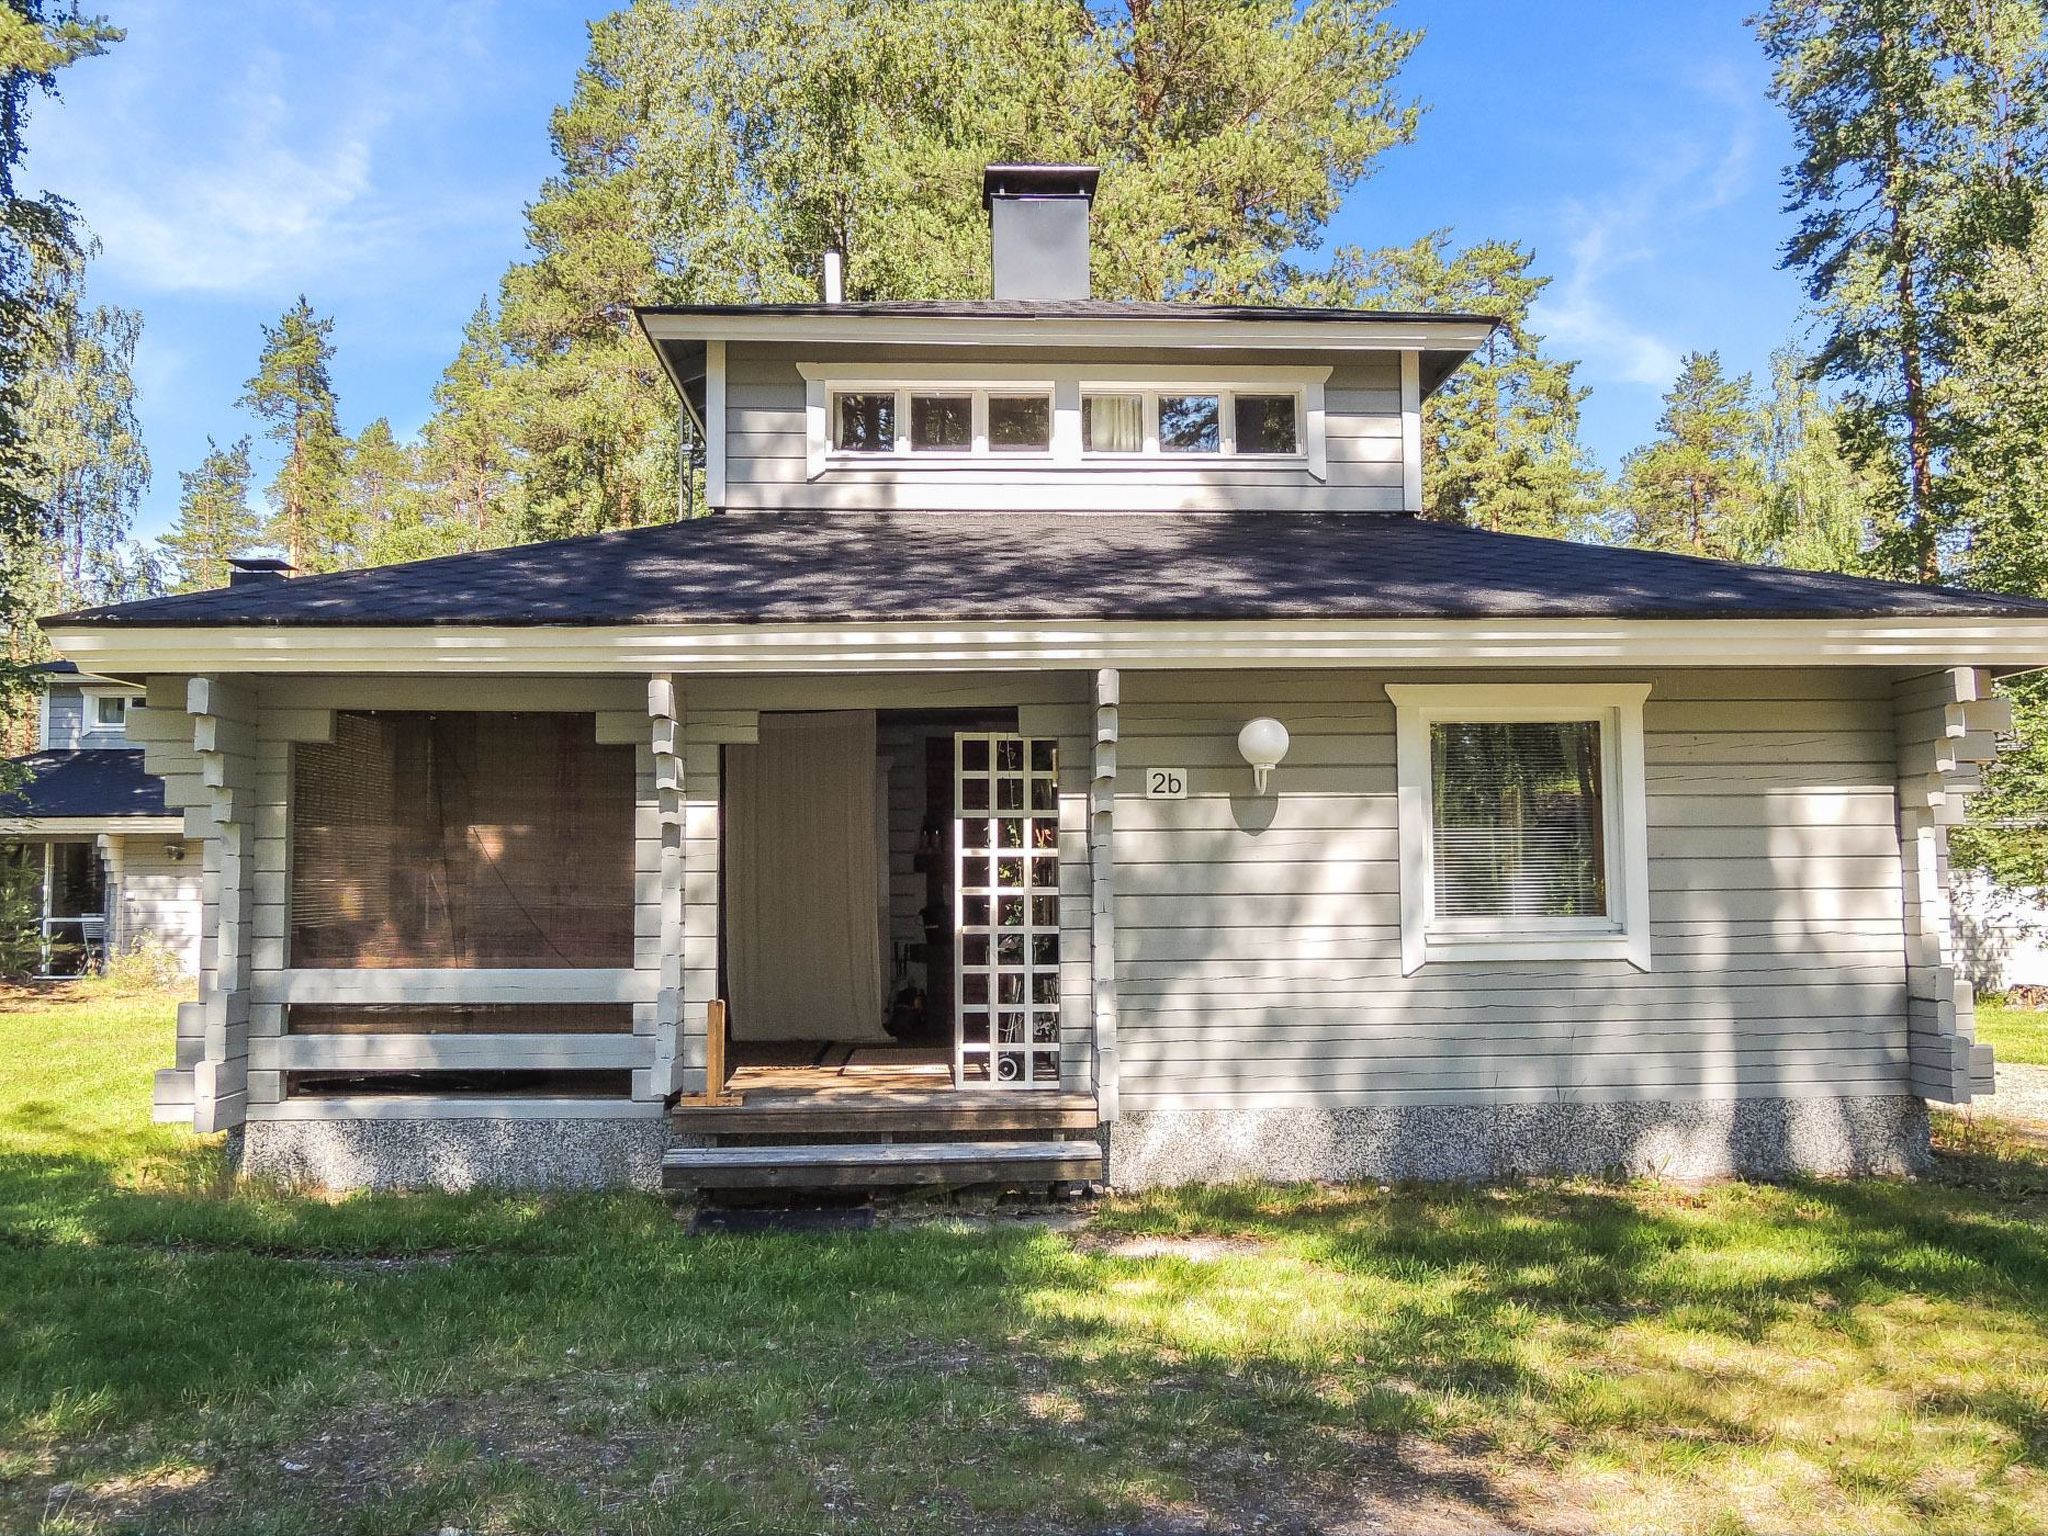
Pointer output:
x,y
1912,363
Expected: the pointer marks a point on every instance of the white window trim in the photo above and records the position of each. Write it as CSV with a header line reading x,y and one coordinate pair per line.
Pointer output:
x,y
92,725
1153,454
1625,933
1065,383
979,453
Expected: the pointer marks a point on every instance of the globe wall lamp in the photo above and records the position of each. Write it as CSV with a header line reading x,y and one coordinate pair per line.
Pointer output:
x,y
1262,743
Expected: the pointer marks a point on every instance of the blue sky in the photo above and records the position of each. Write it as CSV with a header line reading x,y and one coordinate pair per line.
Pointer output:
x,y
378,156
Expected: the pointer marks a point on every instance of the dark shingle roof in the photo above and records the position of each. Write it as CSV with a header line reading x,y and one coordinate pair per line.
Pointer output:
x,y
972,566
89,783
1082,309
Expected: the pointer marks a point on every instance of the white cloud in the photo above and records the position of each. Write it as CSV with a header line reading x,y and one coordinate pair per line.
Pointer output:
x,y
1675,184
207,166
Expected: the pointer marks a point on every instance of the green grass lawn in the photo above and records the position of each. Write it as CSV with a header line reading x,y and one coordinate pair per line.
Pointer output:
x,y
177,1354
2019,1036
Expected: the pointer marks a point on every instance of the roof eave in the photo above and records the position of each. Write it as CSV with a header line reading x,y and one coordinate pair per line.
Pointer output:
x,y
2003,642
838,324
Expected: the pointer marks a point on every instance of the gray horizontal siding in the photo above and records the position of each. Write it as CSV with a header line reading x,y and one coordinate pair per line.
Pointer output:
x,y
67,723
160,896
1258,940
766,462
63,719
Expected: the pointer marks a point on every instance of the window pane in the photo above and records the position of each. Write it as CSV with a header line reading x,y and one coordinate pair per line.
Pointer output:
x,y
1516,810
109,711
864,423
1019,423
462,839
1112,423
1190,424
1265,424
941,423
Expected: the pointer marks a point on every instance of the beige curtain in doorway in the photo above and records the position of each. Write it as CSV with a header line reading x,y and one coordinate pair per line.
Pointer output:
x,y
803,930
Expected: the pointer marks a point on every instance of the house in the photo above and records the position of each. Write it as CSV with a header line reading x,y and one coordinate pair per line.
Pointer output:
x,y
1062,753
2001,933
90,823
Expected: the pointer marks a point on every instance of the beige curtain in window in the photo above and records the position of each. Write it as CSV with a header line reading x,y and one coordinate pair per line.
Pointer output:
x,y
803,931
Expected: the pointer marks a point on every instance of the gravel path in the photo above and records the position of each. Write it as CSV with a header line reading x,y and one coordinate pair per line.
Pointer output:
x,y
2022,1094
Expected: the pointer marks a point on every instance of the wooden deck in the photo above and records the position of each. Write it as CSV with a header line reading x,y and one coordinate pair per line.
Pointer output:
x,y
882,1091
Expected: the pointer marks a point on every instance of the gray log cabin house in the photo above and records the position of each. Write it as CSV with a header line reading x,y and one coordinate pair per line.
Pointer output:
x,y
89,821
1063,753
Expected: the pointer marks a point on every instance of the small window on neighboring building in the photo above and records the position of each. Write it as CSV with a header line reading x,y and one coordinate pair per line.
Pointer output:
x,y
941,423
109,711
1523,822
864,423
1019,423
1266,424
1112,423
1190,424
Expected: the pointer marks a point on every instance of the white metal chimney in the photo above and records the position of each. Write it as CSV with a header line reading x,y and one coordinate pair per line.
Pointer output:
x,y
832,278
1038,218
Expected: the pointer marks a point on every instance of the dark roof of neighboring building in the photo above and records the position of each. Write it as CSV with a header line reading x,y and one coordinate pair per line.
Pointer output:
x,y
1084,309
825,567
88,783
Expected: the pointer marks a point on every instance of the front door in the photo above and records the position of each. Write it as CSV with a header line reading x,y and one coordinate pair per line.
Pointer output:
x,y
1006,911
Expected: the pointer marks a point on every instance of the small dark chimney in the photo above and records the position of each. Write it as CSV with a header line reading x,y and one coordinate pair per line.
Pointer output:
x,y
1038,216
243,570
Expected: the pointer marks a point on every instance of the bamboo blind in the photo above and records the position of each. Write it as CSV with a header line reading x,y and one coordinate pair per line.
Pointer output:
x,y
462,840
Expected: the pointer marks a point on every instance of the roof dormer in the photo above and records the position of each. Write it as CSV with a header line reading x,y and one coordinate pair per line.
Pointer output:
x,y
1043,398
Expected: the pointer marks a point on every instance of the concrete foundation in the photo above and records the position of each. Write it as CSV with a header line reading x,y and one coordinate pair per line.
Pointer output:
x,y
1681,1140
458,1154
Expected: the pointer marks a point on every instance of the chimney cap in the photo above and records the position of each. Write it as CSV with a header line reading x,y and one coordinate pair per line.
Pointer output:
x,y
1004,180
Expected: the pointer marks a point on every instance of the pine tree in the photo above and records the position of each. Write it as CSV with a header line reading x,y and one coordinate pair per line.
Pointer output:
x,y
292,392
215,521
1816,505
379,497
1500,439
1919,130
467,458
713,151
2000,472
1697,488
37,39
79,398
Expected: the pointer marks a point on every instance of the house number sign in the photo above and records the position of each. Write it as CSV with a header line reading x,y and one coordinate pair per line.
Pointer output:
x,y
1166,783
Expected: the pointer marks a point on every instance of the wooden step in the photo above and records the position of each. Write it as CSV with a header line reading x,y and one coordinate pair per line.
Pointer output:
x,y
877,1165
949,1111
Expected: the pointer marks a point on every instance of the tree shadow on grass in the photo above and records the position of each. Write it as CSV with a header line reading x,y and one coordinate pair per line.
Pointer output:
x,y
1356,1357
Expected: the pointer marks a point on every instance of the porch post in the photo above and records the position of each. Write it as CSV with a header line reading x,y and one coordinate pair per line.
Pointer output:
x,y
1945,725
701,791
663,710
223,719
113,855
1102,890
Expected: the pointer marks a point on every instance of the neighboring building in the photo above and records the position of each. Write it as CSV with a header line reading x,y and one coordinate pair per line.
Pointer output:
x,y
2003,934
1066,751
91,825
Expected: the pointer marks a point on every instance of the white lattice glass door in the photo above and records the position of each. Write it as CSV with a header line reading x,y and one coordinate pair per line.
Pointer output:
x,y
1006,911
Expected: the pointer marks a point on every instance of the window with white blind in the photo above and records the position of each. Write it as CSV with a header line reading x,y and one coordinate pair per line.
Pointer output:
x,y
917,419
1523,822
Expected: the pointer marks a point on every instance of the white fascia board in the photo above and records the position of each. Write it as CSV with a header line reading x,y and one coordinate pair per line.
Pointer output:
x,y
738,649
91,826
1362,334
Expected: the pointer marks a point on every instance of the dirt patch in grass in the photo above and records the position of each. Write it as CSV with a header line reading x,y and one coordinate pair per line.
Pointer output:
x,y
497,1461
1198,1250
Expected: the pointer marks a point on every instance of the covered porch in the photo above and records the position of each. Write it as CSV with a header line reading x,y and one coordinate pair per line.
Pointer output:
x,y
527,957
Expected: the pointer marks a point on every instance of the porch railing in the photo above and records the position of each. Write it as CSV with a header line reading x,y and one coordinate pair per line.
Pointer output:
x,y
73,946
